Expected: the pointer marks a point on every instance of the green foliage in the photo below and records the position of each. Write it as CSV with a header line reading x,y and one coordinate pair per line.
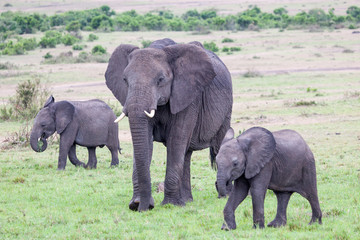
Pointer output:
x,y
105,19
48,55
73,26
51,39
146,43
29,97
211,46
19,47
227,40
69,40
92,37
98,50
354,12
78,47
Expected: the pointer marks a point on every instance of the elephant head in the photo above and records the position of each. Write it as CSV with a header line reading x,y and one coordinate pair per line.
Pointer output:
x,y
52,117
145,79
246,154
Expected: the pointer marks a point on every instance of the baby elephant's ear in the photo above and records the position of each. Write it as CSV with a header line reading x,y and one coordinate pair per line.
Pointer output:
x,y
228,136
260,149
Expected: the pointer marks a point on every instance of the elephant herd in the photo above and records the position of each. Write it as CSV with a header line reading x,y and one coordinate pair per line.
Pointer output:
x,y
181,95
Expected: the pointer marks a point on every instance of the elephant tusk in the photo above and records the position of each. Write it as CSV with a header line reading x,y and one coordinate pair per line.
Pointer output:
x,y
151,114
120,118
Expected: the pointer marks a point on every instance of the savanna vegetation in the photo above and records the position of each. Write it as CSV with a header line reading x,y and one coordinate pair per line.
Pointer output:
x,y
298,72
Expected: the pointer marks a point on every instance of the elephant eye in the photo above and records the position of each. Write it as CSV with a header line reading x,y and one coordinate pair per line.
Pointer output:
x,y
160,80
125,79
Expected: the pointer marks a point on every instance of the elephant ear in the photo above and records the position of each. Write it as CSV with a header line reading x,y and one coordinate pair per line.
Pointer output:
x,y
50,100
114,72
64,113
260,148
193,71
228,136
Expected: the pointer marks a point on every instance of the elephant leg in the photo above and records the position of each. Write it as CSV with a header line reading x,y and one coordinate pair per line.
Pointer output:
x,y
258,187
135,200
282,201
114,156
237,195
178,143
186,182
64,148
73,158
309,191
92,158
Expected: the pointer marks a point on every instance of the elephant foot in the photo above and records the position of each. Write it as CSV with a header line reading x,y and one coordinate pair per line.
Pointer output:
x,y
60,168
277,223
135,202
261,225
315,219
176,202
90,166
80,164
228,227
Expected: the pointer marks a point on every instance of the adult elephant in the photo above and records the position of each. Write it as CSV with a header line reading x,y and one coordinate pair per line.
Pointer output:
x,y
177,94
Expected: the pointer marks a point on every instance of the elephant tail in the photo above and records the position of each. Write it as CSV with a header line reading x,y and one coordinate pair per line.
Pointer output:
x,y
119,149
213,158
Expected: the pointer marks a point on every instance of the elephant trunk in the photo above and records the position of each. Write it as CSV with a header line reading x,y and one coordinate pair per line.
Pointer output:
x,y
139,127
222,182
38,143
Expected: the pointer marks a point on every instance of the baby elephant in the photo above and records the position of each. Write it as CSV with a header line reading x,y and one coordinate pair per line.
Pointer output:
x,y
259,160
85,123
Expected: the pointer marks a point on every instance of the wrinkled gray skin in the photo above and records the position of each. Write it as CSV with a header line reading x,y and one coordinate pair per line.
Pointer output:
x,y
259,160
190,89
85,123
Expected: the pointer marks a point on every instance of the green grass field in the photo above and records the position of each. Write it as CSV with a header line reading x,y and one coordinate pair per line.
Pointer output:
x,y
304,81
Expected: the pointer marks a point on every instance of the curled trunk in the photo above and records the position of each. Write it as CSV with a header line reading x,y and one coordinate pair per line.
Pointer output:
x,y
37,143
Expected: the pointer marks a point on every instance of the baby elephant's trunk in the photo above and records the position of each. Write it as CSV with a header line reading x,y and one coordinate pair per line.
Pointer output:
x,y
38,143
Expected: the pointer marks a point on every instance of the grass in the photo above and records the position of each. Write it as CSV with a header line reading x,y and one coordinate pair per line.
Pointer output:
x,y
38,202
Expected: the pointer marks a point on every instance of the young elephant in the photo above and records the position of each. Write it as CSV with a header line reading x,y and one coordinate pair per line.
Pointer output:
x,y
259,160
85,123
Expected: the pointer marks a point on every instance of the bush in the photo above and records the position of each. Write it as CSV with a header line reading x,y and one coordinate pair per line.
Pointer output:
x,y
48,55
29,97
51,39
211,46
146,43
235,49
98,49
20,47
77,47
92,37
227,40
74,26
7,66
69,40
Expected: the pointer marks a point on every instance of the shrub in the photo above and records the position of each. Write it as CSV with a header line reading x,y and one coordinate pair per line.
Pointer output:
x,y
211,46
98,49
69,40
146,43
51,39
227,40
73,26
20,47
235,49
29,97
78,47
7,66
92,37
225,49
48,55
